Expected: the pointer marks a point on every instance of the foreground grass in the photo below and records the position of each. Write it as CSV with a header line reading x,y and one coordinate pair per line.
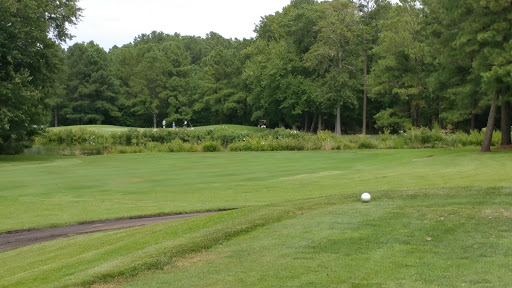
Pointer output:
x,y
437,218
58,191
449,237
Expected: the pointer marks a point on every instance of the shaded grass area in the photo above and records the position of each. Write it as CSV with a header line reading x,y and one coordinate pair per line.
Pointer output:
x,y
436,237
59,191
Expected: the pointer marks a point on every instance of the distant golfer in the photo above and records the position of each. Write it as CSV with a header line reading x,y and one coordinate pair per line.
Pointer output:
x,y
163,124
173,125
185,124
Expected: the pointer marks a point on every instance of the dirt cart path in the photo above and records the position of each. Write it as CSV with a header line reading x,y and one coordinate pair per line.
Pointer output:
x,y
16,239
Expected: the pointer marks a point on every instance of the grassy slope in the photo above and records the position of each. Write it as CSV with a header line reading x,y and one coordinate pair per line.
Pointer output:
x,y
111,128
118,185
102,128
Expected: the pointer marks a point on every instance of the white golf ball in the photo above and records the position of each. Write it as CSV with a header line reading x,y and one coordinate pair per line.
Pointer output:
x,y
365,197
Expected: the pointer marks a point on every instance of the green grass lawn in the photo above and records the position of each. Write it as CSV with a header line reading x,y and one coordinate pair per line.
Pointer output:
x,y
102,128
437,218
112,128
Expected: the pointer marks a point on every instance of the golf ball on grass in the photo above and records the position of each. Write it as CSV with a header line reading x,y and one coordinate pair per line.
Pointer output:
x,y
365,197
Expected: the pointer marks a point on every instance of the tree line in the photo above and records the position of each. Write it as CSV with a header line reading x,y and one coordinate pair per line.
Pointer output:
x,y
362,66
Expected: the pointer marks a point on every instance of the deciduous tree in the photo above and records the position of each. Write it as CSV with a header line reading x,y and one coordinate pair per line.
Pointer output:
x,y
30,31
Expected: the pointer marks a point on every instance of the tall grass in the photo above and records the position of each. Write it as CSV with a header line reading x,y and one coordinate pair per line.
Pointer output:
x,y
84,141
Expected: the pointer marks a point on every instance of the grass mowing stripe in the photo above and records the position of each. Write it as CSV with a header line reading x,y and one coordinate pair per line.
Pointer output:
x,y
88,259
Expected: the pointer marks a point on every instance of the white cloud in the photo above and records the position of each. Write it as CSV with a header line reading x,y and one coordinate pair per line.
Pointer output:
x,y
115,22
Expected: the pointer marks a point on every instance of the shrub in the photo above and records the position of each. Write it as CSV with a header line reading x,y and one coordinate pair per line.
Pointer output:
x,y
325,136
211,147
178,145
366,143
83,141
389,120
226,137
13,148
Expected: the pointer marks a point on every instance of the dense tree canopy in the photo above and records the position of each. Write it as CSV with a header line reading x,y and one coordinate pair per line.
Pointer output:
x,y
347,66
91,86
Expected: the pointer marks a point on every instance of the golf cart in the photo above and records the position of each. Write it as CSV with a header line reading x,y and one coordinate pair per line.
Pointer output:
x,y
263,124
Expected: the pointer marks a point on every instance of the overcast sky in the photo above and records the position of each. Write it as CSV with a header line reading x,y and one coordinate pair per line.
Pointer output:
x,y
118,22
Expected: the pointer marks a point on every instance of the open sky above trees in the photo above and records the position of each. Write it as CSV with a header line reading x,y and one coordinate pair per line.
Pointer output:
x,y
108,23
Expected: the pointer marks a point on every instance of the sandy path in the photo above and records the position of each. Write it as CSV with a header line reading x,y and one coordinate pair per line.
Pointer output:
x,y
16,239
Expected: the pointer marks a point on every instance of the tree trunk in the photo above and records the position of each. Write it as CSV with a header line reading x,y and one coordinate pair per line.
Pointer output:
x,y
440,111
306,122
473,121
417,115
319,122
56,117
486,145
154,121
364,90
313,124
338,120
473,115
505,123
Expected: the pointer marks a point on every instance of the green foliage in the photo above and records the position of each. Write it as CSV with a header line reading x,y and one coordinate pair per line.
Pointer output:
x,y
92,89
211,147
70,137
367,143
29,63
391,121
83,141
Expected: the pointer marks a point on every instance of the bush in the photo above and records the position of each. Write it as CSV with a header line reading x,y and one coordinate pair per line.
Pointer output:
x,y
390,120
365,143
211,147
12,148
83,141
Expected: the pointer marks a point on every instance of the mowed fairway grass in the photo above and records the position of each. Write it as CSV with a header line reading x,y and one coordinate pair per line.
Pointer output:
x,y
439,218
